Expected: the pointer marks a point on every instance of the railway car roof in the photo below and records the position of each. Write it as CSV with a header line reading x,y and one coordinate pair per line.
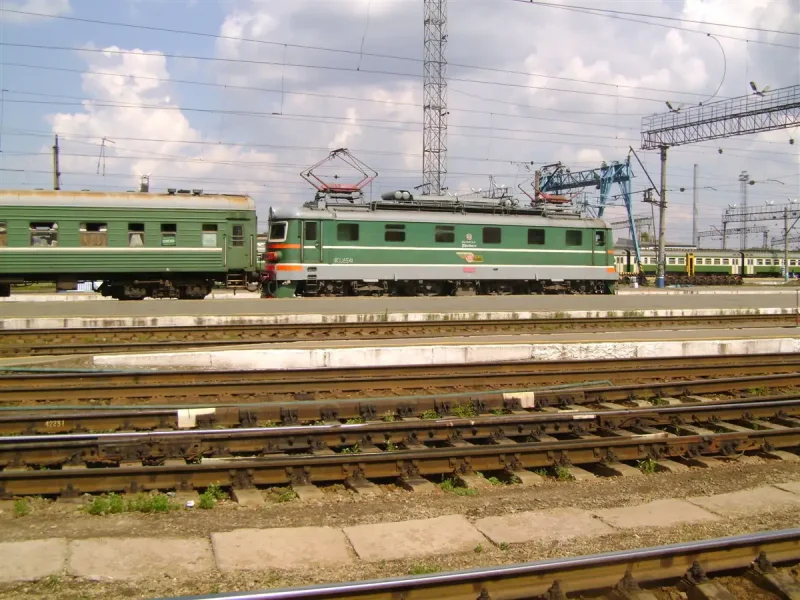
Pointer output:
x,y
125,200
399,216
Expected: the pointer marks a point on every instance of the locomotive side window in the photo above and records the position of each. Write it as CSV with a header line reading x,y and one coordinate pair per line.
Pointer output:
x,y
395,233
310,231
3,235
44,234
277,231
445,234
210,235
237,235
94,234
135,235
536,237
169,234
347,232
574,237
599,238
492,235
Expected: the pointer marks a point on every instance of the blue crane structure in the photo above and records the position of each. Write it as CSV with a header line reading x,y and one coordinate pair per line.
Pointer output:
x,y
557,178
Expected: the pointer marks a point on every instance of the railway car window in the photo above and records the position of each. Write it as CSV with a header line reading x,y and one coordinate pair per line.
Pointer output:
x,y
574,237
599,238
671,260
237,235
210,235
536,237
169,234
3,235
445,234
135,235
725,261
395,233
277,231
347,232
44,234
94,234
310,231
760,262
716,261
492,235
682,261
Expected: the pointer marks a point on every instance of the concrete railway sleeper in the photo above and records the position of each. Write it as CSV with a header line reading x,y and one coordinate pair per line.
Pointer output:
x,y
764,558
35,342
359,469
282,386
114,449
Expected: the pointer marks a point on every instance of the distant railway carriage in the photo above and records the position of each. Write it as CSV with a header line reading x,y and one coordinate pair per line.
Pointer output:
x,y
710,266
138,244
434,246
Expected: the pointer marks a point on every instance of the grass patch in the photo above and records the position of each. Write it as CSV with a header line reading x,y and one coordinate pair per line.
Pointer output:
x,y
494,481
452,486
285,495
499,412
757,391
423,569
354,449
562,473
389,417
478,549
430,414
22,507
647,466
213,494
354,421
391,446
658,402
503,546
463,410
112,504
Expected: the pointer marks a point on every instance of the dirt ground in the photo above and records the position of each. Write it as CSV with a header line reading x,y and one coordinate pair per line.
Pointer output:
x,y
344,508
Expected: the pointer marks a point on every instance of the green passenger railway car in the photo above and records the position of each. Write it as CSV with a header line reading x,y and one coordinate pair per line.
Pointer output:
x,y
175,245
434,246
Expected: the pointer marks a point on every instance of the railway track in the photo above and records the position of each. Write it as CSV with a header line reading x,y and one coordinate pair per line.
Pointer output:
x,y
764,558
403,450
40,342
235,387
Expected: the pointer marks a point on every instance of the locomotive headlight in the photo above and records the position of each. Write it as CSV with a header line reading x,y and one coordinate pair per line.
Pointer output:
x,y
273,256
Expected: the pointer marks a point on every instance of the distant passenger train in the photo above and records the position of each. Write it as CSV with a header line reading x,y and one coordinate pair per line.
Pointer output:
x,y
175,245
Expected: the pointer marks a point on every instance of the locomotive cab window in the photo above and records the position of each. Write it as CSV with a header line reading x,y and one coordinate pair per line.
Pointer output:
x,y
310,231
445,234
44,234
574,237
536,237
169,234
210,235
3,235
347,232
277,231
599,238
492,235
395,233
94,234
237,236
135,235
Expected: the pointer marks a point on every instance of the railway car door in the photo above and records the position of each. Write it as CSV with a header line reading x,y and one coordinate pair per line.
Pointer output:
x,y
599,251
312,241
239,249
690,261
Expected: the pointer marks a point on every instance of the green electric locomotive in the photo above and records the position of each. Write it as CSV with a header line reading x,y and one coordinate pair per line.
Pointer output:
x,y
174,245
429,245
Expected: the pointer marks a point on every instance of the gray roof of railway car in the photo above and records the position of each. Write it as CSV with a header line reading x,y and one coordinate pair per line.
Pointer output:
x,y
401,216
124,200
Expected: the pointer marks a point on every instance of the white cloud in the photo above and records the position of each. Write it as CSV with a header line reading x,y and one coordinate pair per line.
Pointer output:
x,y
48,7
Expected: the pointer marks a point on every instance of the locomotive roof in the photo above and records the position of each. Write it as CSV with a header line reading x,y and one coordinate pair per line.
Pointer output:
x,y
125,200
399,216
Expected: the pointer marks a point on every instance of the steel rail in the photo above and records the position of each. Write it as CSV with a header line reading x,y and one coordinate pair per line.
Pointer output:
x,y
575,574
283,386
37,342
379,465
115,448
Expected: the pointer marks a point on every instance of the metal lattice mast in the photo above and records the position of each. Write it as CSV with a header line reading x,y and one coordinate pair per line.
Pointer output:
x,y
743,179
434,128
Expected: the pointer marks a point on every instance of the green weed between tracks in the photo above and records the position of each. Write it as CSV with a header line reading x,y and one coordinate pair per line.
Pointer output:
x,y
452,485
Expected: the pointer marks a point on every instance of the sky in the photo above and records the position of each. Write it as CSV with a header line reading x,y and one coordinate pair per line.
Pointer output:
x,y
239,96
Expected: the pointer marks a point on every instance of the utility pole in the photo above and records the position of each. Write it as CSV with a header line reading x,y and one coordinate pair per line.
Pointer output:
x,y
56,171
743,179
434,101
695,240
662,223
785,243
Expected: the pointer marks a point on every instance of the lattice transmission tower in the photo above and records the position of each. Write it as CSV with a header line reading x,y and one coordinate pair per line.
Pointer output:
x,y
434,128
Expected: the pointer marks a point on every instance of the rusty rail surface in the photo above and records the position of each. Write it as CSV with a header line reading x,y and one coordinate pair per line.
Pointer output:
x,y
56,451
39,342
687,564
227,387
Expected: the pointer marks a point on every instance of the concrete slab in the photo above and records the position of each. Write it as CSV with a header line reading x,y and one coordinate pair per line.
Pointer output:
x,y
136,558
791,486
32,559
660,513
406,539
418,485
750,501
251,497
282,548
307,491
670,466
782,455
578,474
556,524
